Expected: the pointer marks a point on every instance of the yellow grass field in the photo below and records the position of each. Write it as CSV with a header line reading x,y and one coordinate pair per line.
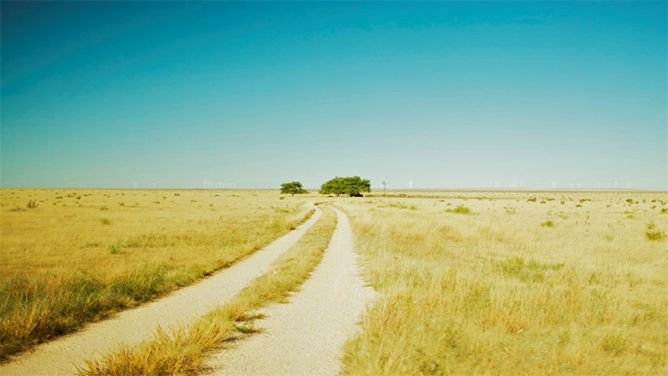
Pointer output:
x,y
70,256
513,283
183,351
472,282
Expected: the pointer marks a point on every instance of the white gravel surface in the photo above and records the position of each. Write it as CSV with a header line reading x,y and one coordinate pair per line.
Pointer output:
x,y
58,357
305,336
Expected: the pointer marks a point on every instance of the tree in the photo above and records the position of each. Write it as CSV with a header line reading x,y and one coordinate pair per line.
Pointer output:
x,y
292,188
353,186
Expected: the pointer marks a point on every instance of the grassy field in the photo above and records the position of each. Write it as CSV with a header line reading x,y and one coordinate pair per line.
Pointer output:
x,y
513,283
182,352
71,256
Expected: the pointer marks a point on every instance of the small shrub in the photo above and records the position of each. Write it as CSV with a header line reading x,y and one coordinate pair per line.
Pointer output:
x,y
103,208
105,221
652,233
531,199
459,210
547,223
32,204
177,194
113,249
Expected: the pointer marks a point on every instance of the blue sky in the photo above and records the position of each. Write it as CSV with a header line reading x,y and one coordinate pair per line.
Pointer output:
x,y
454,94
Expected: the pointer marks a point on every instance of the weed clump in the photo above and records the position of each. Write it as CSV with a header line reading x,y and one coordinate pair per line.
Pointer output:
x,y
547,223
653,234
459,210
114,249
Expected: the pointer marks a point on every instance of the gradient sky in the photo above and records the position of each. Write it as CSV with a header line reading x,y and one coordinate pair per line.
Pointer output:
x,y
254,94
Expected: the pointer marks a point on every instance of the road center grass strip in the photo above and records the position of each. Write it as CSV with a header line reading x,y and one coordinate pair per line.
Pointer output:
x,y
182,351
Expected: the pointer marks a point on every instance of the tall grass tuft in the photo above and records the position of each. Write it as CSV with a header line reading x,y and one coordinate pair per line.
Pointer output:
x,y
459,210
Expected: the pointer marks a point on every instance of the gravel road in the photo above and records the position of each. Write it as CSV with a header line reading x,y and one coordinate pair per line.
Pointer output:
x,y
305,336
58,357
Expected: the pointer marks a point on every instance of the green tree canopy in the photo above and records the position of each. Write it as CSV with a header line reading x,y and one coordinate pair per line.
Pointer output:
x,y
292,188
353,186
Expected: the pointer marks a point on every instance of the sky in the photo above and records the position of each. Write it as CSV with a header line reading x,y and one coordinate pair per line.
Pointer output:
x,y
422,95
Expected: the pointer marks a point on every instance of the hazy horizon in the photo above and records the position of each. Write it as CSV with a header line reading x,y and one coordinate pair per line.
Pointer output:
x,y
249,95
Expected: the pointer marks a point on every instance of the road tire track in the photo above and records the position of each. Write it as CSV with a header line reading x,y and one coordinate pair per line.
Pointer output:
x,y
182,306
305,336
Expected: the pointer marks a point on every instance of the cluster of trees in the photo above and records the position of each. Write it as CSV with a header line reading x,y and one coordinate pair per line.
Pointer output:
x,y
353,186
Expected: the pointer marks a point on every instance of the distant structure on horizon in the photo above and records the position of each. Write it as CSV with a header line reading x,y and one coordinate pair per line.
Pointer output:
x,y
217,185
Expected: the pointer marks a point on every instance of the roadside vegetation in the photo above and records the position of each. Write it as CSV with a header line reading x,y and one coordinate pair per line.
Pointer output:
x,y
182,351
76,256
497,291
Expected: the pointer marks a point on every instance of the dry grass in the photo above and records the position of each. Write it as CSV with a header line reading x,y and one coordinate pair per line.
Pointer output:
x,y
182,352
75,256
525,284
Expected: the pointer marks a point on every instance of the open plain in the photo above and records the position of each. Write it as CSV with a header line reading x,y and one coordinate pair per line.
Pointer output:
x,y
466,282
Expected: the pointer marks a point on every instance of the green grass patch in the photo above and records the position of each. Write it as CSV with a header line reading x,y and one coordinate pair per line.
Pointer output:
x,y
459,210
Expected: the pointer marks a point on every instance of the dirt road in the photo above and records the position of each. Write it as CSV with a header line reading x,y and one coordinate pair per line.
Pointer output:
x,y
305,336
132,326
